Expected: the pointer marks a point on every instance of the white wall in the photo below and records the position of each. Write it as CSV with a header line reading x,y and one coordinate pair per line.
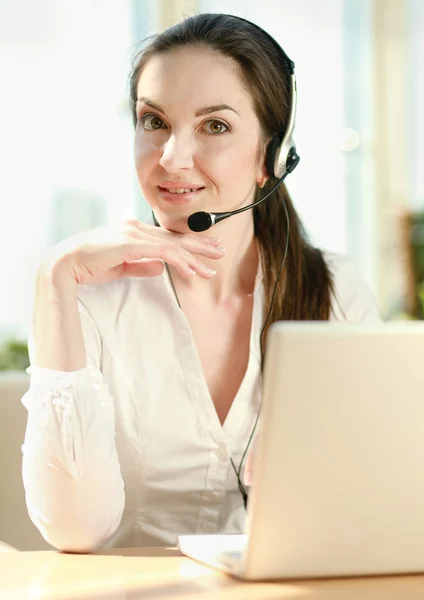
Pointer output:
x,y
416,74
64,124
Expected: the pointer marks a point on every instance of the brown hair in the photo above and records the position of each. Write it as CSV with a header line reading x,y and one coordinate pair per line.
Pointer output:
x,y
305,287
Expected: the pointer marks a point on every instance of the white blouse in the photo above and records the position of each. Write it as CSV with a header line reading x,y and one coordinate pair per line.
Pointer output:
x,y
129,451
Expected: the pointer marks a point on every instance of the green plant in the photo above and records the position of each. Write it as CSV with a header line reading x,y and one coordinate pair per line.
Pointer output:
x,y
420,294
14,356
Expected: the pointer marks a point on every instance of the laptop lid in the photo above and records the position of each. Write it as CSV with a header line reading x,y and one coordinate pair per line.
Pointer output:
x,y
338,484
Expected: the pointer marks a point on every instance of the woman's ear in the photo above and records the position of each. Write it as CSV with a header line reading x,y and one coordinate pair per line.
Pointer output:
x,y
262,181
262,174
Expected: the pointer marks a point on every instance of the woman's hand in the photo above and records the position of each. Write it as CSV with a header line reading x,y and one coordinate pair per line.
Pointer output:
x,y
134,249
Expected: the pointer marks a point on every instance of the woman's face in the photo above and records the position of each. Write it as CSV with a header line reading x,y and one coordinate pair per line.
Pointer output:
x,y
198,142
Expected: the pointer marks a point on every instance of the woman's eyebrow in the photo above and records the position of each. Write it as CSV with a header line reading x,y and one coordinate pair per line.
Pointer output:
x,y
150,103
199,113
214,108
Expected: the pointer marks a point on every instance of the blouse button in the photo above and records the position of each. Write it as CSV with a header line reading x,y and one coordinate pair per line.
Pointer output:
x,y
221,454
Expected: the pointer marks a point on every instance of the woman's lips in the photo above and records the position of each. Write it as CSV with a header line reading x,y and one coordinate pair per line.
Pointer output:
x,y
179,198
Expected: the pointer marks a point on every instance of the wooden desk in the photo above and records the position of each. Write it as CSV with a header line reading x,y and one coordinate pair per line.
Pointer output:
x,y
163,573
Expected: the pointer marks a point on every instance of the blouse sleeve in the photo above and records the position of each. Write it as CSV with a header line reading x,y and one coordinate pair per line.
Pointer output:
x,y
353,300
71,473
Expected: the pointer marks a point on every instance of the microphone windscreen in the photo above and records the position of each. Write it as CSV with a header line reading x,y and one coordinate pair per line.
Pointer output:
x,y
200,221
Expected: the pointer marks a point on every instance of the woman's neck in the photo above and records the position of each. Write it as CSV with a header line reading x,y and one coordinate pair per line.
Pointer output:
x,y
235,271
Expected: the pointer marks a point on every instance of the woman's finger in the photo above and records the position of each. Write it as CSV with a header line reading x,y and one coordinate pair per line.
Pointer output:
x,y
171,253
194,243
143,268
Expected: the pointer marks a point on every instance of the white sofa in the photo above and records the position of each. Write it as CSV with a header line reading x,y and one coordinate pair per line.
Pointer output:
x,y
16,528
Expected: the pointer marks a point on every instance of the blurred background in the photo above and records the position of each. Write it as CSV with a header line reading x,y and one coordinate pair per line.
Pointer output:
x,y
66,132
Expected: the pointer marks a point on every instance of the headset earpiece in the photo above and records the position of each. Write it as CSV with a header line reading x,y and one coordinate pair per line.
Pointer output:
x,y
271,152
281,157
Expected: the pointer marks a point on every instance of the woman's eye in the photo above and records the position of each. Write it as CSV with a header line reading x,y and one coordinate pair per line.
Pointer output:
x,y
215,127
152,122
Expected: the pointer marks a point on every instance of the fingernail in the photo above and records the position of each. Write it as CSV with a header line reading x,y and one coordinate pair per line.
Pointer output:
x,y
211,271
216,241
191,271
221,249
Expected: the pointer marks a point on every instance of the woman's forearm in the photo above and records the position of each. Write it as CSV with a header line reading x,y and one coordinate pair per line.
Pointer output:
x,y
71,472
59,342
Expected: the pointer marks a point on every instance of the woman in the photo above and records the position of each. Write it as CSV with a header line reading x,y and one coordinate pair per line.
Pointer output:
x,y
146,363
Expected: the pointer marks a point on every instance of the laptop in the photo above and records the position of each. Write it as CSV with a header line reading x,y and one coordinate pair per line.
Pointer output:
x,y
338,479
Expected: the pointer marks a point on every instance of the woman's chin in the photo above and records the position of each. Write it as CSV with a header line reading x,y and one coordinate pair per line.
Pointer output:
x,y
175,222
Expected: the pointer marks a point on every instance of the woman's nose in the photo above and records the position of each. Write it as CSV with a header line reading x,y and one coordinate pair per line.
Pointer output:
x,y
177,154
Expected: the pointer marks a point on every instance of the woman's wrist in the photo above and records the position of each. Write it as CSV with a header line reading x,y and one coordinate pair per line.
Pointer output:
x,y
56,276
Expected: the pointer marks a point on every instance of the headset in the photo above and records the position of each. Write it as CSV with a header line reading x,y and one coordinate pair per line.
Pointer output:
x,y
281,156
281,159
